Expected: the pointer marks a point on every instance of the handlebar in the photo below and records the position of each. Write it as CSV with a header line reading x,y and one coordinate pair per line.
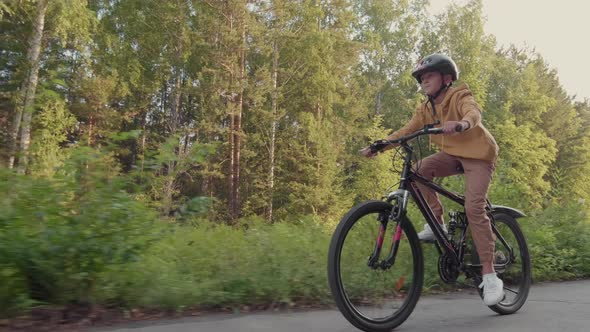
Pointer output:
x,y
427,130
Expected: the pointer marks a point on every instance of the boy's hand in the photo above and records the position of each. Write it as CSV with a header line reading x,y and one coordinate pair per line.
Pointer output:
x,y
367,152
450,127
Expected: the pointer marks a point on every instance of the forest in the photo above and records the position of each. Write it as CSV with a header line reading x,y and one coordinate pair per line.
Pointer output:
x,y
199,153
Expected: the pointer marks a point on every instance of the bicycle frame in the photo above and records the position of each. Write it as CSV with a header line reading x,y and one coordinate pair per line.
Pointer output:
x,y
408,188
384,310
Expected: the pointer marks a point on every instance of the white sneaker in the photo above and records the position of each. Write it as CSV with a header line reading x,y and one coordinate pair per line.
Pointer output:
x,y
493,289
428,235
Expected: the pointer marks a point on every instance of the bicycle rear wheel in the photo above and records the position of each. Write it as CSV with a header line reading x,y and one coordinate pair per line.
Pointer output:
x,y
374,299
513,267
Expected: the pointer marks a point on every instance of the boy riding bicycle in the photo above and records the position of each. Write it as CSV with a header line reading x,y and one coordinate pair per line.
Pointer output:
x,y
472,151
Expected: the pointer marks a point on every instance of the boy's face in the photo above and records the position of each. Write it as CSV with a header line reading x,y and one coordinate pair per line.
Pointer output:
x,y
432,81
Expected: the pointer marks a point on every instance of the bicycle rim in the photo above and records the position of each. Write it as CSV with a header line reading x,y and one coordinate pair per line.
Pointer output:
x,y
374,299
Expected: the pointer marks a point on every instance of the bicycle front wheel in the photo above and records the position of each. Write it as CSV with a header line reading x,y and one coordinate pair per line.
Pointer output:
x,y
373,298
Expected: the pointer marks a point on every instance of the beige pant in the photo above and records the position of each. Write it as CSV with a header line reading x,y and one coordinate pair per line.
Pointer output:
x,y
478,174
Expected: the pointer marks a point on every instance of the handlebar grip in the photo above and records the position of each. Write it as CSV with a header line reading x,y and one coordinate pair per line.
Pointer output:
x,y
435,131
459,128
377,146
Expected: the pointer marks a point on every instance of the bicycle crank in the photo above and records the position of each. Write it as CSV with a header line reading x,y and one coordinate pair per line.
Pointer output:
x,y
447,268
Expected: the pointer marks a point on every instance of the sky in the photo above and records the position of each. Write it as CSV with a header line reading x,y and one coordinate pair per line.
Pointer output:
x,y
555,29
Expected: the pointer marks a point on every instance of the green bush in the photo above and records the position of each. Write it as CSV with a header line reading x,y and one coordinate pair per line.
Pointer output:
x,y
559,242
14,297
80,237
57,235
214,265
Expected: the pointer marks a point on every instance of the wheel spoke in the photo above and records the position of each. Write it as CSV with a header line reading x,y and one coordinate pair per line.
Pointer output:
x,y
374,297
511,290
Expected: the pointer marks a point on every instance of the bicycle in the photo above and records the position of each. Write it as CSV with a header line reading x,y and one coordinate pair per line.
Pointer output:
x,y
385,296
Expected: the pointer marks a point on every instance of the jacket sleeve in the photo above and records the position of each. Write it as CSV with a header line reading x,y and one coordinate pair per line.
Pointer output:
x,y
417,122
470,111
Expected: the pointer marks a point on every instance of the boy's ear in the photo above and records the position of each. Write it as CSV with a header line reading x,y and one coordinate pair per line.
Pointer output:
x,y
448,78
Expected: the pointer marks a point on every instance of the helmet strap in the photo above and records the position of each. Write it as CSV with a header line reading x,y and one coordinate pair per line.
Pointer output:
x,y
431,98
442,88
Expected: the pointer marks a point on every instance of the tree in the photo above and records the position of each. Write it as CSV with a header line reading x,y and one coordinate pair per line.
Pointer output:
x,y
68,22
15,26
24,104
516,104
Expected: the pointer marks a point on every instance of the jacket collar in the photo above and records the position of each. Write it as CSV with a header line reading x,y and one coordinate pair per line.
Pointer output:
x,y
450,94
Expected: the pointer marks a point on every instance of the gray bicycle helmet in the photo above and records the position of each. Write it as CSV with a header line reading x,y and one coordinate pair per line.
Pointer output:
x,y
436,62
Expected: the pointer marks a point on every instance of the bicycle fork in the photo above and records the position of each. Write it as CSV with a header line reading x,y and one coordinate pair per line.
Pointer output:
x,y
397,213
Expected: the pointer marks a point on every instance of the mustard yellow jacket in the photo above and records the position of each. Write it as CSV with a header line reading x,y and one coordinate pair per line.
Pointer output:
x,y
458,105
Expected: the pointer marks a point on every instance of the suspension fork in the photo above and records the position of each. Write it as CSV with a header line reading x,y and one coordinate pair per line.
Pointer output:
x,y
390,260
374,258
396,214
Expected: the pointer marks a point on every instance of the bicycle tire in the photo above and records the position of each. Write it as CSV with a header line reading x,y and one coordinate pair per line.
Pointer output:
x,y
344,303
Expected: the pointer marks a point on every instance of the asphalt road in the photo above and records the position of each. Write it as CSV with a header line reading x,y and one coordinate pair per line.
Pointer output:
x,y
559,307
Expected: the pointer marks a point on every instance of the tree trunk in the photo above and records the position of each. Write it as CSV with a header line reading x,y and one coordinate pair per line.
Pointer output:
x,y
24,106
174,124
143,140
238,127
273,129
230,102
379,102
231,161
169,186
175,109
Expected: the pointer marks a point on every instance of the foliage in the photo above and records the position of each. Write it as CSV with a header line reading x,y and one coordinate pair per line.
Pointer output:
x,y
558,239
152,110
215,265
57,235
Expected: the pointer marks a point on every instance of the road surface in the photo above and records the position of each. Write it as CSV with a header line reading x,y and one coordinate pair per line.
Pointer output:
x,y
560,307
